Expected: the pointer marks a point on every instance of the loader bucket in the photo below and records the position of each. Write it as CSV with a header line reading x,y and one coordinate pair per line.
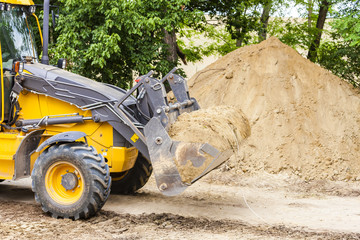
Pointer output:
x,y
177,165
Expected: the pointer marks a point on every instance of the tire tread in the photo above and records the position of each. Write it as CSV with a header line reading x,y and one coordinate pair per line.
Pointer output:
x,y
100,178
135,179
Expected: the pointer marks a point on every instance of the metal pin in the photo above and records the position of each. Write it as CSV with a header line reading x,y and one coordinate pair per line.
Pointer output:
x,y
163,186
158,140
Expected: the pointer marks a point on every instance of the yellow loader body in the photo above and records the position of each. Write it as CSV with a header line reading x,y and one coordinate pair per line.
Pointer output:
x,y
99,135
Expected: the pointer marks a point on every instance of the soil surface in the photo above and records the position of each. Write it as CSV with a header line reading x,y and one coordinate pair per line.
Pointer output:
x,y
224,127
251,207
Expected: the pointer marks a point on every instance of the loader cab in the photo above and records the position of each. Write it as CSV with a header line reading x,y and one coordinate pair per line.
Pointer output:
x,y
16,42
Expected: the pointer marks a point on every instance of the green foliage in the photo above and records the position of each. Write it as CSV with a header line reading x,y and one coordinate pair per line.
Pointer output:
x,y
341,59
294,32
229,25
110,40
341,54
349,28
218,42
240,17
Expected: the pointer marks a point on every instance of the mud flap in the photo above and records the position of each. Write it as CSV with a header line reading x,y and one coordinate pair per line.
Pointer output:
x,y
172,160
23,154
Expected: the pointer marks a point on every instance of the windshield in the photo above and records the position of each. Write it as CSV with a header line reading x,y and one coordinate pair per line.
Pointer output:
x,y
15,36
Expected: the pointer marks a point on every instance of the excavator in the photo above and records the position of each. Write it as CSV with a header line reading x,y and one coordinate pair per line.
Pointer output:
x,y
80,139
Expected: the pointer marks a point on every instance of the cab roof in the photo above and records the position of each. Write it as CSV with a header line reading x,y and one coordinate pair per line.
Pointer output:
x,y
18,2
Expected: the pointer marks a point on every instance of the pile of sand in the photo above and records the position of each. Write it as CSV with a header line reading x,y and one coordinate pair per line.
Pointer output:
x,y
224,127
304,120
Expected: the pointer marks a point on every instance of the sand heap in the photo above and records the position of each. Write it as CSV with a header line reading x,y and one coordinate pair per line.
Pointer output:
x,y
224,127
304,120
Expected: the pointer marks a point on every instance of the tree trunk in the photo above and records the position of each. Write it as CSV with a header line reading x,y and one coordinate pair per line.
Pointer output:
x,y
173,49
309,13
170,41
312,54
239,42
181,55
240,34
265,21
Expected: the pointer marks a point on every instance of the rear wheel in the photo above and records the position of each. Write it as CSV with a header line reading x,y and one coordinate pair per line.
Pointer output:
x,y
132,180
71,181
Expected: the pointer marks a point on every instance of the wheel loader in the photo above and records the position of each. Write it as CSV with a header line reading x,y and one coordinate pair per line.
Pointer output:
x,y
79,139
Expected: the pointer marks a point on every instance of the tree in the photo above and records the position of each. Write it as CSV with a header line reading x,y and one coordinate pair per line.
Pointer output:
x,y
341,54
316,38
110,40
241,18
264,20
348,22
301,34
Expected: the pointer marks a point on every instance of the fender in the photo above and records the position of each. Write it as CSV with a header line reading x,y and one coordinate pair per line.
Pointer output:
x,y
64,137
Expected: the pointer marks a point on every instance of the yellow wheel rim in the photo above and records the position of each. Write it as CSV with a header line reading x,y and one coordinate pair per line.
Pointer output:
x,y
54,183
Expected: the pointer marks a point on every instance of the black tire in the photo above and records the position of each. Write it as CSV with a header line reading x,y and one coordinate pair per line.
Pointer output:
x,y
91,181
134,179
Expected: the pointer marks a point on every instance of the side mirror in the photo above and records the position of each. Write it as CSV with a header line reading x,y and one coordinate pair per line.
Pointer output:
x,y
61,63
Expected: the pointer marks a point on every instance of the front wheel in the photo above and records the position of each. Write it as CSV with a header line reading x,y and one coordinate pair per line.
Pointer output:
x,y
71,181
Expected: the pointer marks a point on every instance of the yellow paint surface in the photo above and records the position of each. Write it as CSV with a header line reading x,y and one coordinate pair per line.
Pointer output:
x,y
18,2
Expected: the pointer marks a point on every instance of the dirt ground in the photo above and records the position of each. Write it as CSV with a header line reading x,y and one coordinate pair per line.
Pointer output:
x,y
247,207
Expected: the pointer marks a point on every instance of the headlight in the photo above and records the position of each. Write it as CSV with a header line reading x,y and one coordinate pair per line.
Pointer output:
x,y
32,9
18,67
61,63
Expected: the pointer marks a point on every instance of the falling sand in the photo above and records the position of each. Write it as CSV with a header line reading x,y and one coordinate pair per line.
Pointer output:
x,y
223,127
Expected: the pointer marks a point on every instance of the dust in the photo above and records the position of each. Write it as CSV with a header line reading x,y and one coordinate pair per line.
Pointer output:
x,y
223,127
304,120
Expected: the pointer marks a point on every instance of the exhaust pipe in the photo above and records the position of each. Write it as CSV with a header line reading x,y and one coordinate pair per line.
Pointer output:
x,y
45,57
